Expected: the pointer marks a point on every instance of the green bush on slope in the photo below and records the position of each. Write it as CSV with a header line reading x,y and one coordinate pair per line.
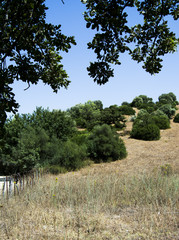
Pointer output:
x,y
105,145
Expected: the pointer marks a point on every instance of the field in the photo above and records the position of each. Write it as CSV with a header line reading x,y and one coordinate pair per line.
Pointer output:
x,y
135,198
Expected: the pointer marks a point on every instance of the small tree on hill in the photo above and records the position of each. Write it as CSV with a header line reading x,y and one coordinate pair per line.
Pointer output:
x,y
104,145
144,128
168,110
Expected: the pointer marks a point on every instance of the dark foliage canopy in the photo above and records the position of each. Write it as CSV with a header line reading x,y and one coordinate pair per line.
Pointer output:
x,y
151,39
32,47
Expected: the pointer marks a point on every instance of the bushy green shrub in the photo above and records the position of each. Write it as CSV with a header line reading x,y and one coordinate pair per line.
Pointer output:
x,y
142,113
142,101
126,110
111,115
158,112
137,101
80,138
168,110
162,121
176,118
86,115
168,98
22,156
144,127
81,123
146,132
104,145
91,124
147,107
70,156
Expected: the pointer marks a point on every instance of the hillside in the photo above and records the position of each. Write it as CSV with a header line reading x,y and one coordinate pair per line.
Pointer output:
x,y
144,156
104,201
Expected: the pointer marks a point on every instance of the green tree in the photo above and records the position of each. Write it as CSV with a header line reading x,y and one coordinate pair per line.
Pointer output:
x,y
167,98
137,102
126,110
168,110
32,47
144,127
99,104
113,116
162,121
146,99
56,123
148,132
22,156
70,156
87,115
143,102
151,39
34,139
106,116
104,145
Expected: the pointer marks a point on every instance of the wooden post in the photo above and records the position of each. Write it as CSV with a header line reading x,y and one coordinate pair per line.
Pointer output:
x,y
10,185
14,186
23,181
3,189
20,183
7,190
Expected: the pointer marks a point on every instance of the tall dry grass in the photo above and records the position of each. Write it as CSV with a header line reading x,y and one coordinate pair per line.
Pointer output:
x,y
94,206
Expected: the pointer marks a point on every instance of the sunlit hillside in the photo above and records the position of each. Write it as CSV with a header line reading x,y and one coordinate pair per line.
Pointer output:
x,y
135,198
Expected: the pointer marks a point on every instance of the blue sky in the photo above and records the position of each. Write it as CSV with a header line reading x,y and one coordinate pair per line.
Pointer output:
x,y
130,79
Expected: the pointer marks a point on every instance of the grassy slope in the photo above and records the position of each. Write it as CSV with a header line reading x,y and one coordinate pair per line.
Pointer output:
x,y
127,199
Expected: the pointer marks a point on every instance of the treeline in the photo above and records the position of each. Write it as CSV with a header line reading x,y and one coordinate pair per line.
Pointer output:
x,y
61,141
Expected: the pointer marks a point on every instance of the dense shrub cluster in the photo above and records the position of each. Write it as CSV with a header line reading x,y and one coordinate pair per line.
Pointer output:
x,y
168,110
34,139
92,113
153,116
168,98
142,101
105,145
53,140
69,155
148,132
126,110
161,121
87,115
144,128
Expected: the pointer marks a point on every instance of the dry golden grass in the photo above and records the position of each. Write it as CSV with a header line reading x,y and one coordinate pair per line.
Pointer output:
x,y
94,207
129,199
